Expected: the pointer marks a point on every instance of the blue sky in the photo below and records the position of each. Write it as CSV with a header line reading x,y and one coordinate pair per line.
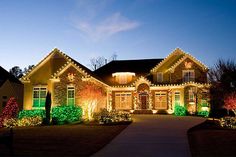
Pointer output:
x,y
133,29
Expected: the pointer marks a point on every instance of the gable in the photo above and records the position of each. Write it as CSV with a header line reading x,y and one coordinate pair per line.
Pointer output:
x,y
189,62
168,61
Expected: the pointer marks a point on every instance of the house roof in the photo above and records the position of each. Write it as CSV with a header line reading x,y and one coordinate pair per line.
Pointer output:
x,y
139,67
5,75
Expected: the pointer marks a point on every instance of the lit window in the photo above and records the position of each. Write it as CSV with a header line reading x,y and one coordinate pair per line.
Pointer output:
x,y
39,96
177,98
191,95
123,100
123,77
204,99
160,100
188,75
159,77
70,95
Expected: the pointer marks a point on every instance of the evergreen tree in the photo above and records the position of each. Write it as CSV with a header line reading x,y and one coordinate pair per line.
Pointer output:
x,y
48,107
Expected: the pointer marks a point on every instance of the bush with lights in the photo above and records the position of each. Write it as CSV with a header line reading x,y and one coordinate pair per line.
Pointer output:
x,y
180,110
10,111
31,113
106,117
66,114
30,121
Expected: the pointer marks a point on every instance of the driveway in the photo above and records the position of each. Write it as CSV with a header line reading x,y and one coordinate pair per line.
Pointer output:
x,y
152,135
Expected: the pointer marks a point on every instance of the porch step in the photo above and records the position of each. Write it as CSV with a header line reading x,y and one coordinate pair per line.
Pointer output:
x,y
142,112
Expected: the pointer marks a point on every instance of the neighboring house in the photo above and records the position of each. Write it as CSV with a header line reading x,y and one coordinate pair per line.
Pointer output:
x,y
155,85
10,87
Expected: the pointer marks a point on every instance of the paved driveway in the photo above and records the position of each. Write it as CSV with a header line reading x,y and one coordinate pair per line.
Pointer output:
x,y
152,135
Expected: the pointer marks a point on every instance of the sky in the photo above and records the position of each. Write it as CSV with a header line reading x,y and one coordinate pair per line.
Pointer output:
x,y
131,29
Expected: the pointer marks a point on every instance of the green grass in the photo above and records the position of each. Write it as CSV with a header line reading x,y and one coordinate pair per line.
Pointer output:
x,y
64,140
208,139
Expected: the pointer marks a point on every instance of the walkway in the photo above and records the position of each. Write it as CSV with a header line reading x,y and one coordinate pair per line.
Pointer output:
x,y
152,136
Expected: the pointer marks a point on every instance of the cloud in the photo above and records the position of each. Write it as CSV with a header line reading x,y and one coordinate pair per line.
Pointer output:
x,y
107,27
91,19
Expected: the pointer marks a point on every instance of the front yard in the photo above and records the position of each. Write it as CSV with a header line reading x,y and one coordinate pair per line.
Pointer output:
x,y
209,139
62,140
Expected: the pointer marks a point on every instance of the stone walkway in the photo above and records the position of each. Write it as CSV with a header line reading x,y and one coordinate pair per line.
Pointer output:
x,y
152,136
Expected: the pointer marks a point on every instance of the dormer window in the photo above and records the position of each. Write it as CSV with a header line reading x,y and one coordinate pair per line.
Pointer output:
x,y
188,75
159,77
123,77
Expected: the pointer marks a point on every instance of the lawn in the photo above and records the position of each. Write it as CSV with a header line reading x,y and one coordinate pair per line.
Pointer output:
x,y
64,140
210,140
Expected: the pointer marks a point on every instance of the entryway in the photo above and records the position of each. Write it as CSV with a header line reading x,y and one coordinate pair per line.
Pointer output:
x,y
143,98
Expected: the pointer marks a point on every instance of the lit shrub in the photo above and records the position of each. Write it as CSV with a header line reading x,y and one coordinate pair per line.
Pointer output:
x,y
30,121
105,117
66,114
180,110
10,122
9,111
203,113
31,113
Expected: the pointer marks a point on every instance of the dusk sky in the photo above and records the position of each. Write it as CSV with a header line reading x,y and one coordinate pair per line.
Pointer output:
x,y
133,29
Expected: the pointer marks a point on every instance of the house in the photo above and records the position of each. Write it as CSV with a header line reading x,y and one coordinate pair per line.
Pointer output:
x,y
147,85
10,87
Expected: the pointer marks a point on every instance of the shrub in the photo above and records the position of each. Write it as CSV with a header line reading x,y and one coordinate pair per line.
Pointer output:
x,y
180,110
228,122
30,121
203,113
66,114
10,122
31,113
105,117
10,110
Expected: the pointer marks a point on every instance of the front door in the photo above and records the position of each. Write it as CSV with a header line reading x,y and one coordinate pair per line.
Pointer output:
x,y
143,97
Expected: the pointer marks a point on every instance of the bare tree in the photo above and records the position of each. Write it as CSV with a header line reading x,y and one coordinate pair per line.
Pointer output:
x,y
96,63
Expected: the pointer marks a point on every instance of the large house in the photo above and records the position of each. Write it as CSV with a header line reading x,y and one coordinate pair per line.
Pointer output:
x,y
9,87
146,85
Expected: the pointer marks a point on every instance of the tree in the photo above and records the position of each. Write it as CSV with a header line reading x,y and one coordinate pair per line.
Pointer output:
x,y
10,110
48,107
90,96
230,102
98,62
222,78
26,69
16,71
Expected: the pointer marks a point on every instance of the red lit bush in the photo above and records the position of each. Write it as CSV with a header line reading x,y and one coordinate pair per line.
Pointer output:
x,y
10,110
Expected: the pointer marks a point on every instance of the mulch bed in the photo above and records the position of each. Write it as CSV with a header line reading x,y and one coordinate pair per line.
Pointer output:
x,y
63,140
208,139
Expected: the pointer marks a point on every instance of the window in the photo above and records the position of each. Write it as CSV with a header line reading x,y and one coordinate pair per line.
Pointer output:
x,y
191,95
123,100
188,75
159,77
123,77
204,99
39,96
177,98
70,95
160,100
